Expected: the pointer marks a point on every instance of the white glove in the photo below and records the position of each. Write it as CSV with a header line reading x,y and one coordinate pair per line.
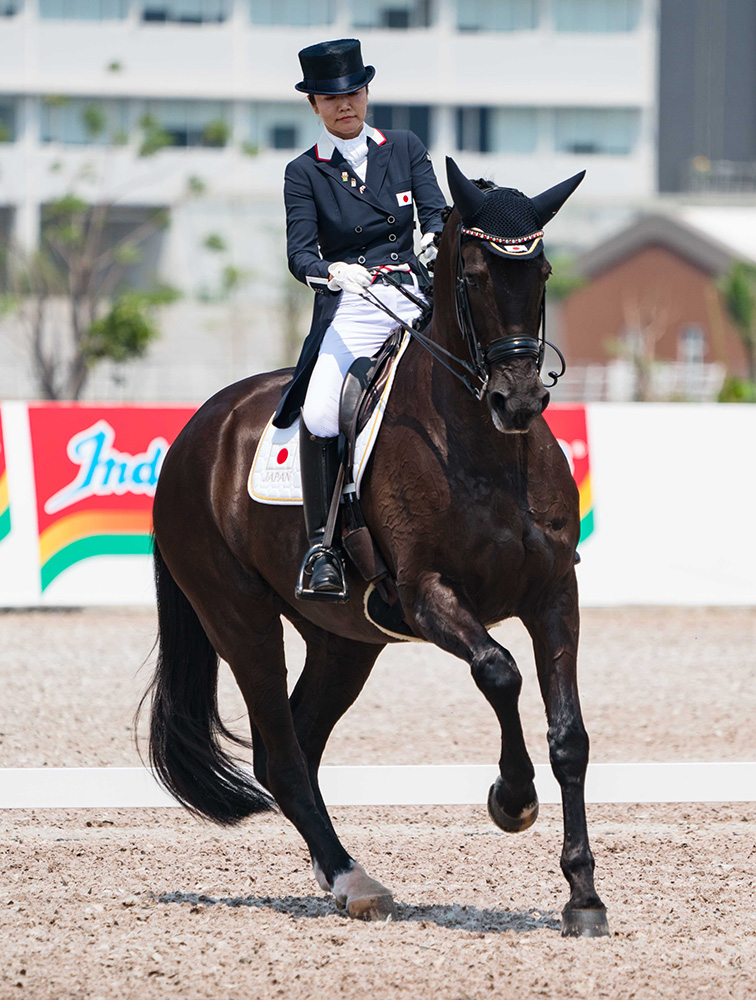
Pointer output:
x,y
428,250
351,277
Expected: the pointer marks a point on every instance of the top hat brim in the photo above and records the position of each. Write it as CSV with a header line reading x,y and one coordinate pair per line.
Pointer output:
x,y
338,85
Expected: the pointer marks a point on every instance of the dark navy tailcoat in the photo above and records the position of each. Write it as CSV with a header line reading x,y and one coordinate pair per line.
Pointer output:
x,y
332,215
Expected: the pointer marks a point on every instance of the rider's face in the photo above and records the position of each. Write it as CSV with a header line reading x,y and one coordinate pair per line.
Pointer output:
x,y
343,114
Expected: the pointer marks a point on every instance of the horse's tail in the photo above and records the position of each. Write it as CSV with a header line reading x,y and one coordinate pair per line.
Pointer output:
x,y
185,727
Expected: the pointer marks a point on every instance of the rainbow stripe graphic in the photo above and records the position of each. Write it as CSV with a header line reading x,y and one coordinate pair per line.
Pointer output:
x,y
5,521
92,533
586,507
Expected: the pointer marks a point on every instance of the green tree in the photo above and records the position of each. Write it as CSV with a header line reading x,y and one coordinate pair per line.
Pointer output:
x,y
738,288
72,295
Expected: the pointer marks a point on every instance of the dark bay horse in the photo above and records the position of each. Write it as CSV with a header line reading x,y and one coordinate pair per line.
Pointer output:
x,y
474,510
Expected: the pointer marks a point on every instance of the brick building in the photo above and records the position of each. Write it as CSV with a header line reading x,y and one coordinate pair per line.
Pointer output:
x,y
650,308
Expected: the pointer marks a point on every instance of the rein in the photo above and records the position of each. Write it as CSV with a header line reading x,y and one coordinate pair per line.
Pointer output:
x,y
481,358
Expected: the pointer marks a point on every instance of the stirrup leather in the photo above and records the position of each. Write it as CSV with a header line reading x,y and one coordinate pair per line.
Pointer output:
x,y
303,593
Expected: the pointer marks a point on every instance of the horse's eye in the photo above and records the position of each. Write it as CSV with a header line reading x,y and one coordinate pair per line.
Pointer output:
x,y
471,282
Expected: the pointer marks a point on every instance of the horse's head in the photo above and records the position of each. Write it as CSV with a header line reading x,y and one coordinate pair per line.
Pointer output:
x,y
494,256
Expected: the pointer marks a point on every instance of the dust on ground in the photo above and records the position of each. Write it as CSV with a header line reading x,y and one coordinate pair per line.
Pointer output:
x,y
153,903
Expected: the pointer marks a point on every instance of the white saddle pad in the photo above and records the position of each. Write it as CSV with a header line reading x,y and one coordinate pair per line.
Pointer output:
x,y
275,478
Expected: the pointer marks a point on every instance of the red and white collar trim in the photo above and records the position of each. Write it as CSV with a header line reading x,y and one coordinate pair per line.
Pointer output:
x,y
375,134
324,147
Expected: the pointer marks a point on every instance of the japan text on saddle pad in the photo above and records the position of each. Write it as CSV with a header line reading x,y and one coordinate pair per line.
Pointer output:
x,y
275,478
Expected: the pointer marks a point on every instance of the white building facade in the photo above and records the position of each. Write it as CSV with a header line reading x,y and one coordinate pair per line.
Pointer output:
x,y
525,92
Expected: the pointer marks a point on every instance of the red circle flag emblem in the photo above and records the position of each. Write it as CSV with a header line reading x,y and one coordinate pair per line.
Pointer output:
x,y
282,456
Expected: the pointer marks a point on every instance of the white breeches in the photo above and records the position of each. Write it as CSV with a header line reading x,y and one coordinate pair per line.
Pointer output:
x,y
357,331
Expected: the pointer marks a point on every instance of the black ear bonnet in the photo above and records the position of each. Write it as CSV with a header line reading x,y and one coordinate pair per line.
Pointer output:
x,y
509,223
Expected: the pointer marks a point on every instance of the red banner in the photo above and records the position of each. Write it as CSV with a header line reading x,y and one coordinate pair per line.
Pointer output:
x,y
569,427
96,469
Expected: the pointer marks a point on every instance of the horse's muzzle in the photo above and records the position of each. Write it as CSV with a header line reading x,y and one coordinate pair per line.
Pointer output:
x,y
513,413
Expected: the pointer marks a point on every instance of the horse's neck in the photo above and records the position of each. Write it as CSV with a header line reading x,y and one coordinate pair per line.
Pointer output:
x,y
459,424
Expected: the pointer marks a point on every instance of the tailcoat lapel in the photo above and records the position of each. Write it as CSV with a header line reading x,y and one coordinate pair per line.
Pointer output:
x,y
377,163
329,161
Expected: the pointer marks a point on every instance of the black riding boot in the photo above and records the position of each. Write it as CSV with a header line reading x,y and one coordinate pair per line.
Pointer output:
x,y
319,464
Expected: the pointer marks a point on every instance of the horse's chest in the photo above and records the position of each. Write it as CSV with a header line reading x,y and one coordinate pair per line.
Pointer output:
x,y
527,529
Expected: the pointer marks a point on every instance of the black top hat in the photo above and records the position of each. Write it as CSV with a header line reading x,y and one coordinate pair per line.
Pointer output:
x,y
334,68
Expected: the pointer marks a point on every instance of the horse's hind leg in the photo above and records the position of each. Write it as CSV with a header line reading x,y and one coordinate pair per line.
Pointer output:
x,y
441,616
335,672
249,637
554,631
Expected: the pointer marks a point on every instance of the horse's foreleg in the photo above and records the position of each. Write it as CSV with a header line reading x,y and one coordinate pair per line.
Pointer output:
x,y
442,617
335,672
554,631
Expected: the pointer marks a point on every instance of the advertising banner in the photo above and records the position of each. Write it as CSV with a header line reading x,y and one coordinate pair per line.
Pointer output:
x,y
95,474
656,483
4,496
82,479
569,426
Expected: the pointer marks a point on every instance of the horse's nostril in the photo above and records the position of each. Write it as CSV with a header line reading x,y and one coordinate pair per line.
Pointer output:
x,y
499,402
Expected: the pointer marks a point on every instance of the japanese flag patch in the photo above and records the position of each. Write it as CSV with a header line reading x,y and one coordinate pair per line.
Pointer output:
x,y
404,198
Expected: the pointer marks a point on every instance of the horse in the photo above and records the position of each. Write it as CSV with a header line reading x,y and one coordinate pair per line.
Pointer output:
x,y
472,506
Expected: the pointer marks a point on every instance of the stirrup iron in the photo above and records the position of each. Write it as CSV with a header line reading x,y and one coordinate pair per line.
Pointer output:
x,y
303,593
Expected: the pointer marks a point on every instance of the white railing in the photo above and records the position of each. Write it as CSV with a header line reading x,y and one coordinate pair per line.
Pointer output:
x,y
618,382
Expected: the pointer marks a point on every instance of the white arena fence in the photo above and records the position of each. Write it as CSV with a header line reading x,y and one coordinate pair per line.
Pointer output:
x,y
461,784
664,491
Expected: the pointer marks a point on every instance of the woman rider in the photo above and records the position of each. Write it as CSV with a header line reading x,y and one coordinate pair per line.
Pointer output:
x,y
350,206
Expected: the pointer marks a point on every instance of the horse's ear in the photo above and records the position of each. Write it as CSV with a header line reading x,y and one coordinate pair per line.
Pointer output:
x,y
466,196
548,203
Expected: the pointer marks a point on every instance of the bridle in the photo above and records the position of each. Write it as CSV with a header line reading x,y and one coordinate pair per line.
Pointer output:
x,y
475,374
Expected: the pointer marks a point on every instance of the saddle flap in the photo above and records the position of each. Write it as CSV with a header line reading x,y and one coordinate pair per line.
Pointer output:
x,y
363,388
356,381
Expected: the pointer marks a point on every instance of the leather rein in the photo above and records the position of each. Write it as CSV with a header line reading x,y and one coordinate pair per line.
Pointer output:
x,y
475,375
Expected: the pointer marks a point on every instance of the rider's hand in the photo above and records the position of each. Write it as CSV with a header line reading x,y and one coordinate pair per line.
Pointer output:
x,y
349,277
428,250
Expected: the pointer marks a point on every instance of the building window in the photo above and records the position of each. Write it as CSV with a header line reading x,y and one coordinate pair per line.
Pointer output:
x,y
191,123
282,125
587,131
294,13
283,137
392,14
473,129
81,121
415,117
596,15
513,130
7,120
83,10
186,11
497,15
691,345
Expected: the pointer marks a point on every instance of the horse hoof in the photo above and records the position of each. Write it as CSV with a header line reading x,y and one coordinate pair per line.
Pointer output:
x,y
511,824
361,896
584,923
378,907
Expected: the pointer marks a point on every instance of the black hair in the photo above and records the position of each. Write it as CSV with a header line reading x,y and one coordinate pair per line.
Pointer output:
x,y
311,97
